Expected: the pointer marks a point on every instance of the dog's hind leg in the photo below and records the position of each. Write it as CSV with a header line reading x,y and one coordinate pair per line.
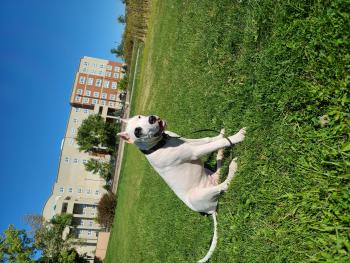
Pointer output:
x,y
205,199
231,173
219,158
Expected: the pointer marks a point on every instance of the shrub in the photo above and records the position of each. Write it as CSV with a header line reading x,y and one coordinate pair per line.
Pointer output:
x,y
105,209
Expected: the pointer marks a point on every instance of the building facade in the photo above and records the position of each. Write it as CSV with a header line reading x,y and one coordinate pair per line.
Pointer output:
x,y
77,191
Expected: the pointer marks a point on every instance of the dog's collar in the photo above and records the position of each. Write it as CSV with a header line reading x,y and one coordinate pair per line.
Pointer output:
x,y
159,145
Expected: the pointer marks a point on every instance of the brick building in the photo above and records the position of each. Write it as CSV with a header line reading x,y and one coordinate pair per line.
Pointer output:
x,y
76,191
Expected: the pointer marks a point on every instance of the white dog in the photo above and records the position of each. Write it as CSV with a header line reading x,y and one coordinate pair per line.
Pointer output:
x,y
177,160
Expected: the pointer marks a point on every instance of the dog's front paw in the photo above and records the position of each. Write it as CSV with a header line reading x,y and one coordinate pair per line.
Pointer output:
x,y
242,133
239,136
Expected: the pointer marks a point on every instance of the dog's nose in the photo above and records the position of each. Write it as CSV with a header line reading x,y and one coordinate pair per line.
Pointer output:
x,y
152,119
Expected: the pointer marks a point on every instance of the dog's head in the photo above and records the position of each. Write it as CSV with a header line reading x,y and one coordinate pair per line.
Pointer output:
x,y
144,131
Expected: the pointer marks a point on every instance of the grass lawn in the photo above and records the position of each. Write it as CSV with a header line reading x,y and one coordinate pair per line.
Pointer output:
x,y
280,68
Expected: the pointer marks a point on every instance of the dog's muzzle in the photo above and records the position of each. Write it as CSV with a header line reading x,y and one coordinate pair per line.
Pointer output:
x,y
162,125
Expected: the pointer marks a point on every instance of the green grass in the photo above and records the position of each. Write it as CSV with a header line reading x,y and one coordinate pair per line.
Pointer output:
x,y
275,67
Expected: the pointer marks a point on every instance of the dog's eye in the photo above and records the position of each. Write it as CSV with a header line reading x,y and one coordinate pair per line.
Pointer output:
x,y
138,132
152,119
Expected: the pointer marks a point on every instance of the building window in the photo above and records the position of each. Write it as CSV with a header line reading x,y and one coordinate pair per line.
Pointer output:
x,y
77,99
77,109
103,102
82,80
97,192
90,81
89,232
109,67
112,97
94,101
76,160
90,223
70,189
84,161
61,189
100,73
111,104
102,66
98,82
108,74
71,141
106,84
96,94
80,190
86,63
81,222
86,100
86,111
116,75
84,69
116,69
75,120
114,85
67,159
72,130
87,92
104,95
88,191
79,91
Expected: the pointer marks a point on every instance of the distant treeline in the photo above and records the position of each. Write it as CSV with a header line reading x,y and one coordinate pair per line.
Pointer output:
x,y
136,19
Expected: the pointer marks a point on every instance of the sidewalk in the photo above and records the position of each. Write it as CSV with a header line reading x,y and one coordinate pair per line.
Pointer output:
x,y
120,151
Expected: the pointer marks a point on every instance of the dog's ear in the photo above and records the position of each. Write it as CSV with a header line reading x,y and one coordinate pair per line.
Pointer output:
x,y
125,136
124,120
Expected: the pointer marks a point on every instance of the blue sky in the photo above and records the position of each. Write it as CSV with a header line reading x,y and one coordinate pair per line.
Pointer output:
x,y
41,45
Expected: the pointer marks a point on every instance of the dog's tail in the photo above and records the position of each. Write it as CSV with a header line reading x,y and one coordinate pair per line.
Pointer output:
x,y
213,242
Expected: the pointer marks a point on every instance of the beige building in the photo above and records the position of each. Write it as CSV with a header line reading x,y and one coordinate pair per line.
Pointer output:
x,y
76,191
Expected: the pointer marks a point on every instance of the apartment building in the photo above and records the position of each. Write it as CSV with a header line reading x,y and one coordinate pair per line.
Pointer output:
x,y
76,191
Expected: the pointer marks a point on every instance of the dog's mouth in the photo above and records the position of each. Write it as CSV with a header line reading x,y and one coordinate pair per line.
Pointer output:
x,y
162,126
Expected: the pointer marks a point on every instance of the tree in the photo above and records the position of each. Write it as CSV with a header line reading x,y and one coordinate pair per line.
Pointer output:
x,y
49,238
61,221
111,138
118,51
123,84
34,221
95,135
103,169
106,209
16,246
65,256
71,256
121,19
